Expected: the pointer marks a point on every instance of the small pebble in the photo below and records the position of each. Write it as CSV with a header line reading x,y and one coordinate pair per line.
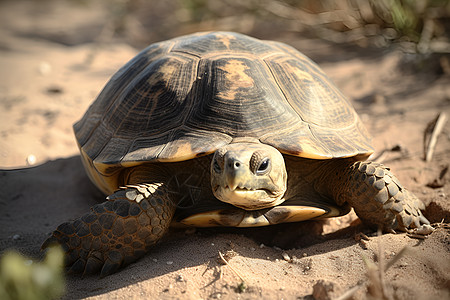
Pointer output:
x,y
252,248
155,260
180,278
304,255
286,256
31,160
212,244
262,246
44,68
169,262
16,237
277,248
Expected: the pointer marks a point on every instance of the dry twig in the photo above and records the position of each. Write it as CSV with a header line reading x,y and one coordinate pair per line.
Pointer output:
x,y
437,126
231,268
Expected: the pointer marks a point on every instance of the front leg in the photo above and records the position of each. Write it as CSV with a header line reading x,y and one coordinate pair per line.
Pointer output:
x,y
116,232
377,196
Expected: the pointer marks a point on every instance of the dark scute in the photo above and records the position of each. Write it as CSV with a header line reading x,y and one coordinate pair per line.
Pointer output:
x,y
109,268
96,229
137,245
135,209
93,265
71,257
143,233
157,230
99,208
96,244
115,256
86,244
127,239
108,206
78,266
74,241
117,228
83,230
144,204
89,218
143,219
77,224
66,228
371,180
121,207
130,225
106,220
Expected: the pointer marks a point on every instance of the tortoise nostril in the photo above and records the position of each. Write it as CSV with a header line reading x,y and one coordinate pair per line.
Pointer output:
x,y
234,164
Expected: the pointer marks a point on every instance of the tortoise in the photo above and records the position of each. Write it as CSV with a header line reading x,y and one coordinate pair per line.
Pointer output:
x,y
222,129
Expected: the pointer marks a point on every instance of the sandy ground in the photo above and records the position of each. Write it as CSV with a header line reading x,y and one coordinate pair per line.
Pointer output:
x,y
46,85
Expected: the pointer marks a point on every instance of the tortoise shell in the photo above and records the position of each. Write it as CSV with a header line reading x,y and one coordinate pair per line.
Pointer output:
x,y
188,96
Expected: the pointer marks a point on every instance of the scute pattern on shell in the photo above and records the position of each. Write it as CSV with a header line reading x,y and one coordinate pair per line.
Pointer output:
x,y
191,95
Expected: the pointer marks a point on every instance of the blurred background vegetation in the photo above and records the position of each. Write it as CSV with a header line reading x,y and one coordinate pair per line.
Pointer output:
x,y
21,278
418,26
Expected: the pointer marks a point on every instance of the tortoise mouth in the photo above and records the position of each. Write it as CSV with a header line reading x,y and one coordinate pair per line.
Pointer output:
x,y
244,189
248,198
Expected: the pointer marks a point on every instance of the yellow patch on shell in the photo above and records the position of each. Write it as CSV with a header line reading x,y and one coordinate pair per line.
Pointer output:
x,y
300,74
236,77
311,150
225,39
180,150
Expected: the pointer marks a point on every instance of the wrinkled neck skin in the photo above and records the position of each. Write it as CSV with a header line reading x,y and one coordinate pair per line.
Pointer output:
x,y
326,177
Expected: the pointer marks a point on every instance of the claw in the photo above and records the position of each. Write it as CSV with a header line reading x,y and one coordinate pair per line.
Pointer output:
x,y
77,267
93,265
109,268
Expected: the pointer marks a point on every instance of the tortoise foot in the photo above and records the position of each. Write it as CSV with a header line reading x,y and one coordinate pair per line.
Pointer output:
x,y
380,200
116,232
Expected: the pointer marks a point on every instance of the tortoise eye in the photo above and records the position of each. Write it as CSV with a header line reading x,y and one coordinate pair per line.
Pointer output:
x,y
263,167
260,162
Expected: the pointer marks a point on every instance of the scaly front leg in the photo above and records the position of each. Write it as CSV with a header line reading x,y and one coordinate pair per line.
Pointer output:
x,y
116,232
377,196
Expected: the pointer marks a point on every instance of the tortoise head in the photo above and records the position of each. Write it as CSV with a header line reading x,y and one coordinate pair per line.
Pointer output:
x,y
249,175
